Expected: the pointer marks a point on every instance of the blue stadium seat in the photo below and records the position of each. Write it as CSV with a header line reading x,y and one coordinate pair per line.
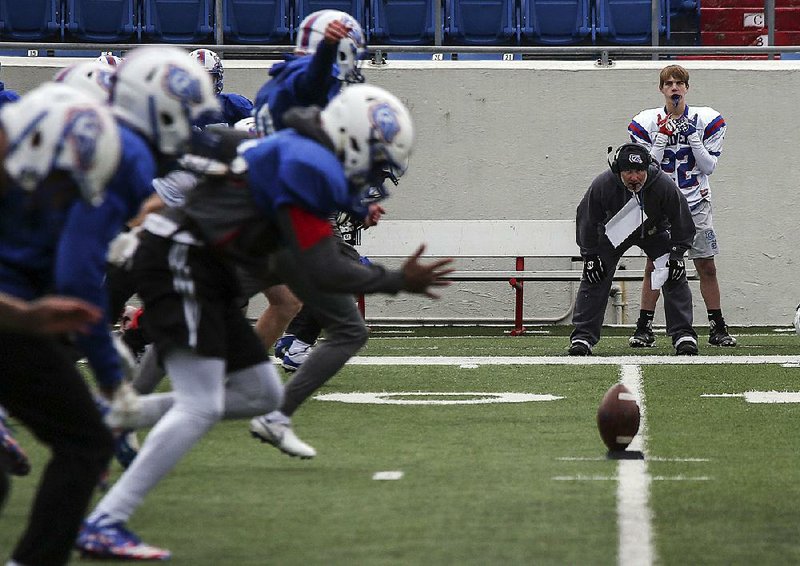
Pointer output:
x,y
676,6
178,21
556,22
353,7
34,20
255,21
629,21
101,20
486,22
407,22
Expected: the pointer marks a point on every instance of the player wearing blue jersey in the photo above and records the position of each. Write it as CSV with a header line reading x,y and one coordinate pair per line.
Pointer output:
x,y
59,149
7,95
687,142
327,53
235,107
268,214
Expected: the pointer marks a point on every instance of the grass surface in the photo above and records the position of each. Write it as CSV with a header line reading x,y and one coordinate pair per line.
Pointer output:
x,y
478,483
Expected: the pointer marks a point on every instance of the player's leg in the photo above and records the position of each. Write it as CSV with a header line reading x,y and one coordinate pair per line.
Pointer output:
x,y
345,334
281,309
643,336
42,388
704,248
590,310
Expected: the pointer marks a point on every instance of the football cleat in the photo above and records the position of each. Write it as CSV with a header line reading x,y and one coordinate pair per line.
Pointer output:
x,y
11,453
116,542
296,355
686,346
282,345
643,337
281,436
718,335
579,348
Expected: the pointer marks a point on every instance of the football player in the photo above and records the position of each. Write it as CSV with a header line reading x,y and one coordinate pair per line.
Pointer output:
x,y
59,149
687,142
269,209
235,107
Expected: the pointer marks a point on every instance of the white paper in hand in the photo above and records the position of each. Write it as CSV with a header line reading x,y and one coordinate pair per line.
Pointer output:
x,y
660,273
624,222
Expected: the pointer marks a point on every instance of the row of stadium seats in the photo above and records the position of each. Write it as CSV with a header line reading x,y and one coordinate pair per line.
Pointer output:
x,y
407,22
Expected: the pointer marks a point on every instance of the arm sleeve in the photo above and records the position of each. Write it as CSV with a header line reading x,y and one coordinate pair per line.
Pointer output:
x,y
589,216
317,76
317,257
704,161
80,271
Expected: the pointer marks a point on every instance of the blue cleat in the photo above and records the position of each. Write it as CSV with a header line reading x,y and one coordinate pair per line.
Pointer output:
x,y
113,540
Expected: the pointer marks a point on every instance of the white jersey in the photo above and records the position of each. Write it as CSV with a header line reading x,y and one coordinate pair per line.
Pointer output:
x,y
687,164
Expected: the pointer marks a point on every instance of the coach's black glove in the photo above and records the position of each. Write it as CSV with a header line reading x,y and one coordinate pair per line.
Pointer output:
x,y
677,269
593,270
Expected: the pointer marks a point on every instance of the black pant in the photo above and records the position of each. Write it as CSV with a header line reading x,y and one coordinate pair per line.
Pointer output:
x,y
40,386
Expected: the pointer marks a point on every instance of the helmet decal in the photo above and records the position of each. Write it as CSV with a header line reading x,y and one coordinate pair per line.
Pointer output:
x,y
182,85
81,132
383,118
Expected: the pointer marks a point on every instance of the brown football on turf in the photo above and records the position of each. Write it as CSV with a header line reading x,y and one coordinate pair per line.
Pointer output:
x,y
618,418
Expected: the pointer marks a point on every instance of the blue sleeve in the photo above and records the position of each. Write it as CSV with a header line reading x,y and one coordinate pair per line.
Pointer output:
x,y
79,272
81,255
235,107
318,76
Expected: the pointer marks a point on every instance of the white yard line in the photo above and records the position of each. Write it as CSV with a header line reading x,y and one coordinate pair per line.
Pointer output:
x,y
566,360
634,517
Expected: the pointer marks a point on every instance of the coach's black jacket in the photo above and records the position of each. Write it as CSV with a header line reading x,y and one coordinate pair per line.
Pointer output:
x,y
660,199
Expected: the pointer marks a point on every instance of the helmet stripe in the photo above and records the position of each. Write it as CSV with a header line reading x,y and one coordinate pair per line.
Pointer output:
x,y
306,32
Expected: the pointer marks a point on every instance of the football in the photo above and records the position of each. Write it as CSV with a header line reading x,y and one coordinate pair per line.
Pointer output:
x,y
618,418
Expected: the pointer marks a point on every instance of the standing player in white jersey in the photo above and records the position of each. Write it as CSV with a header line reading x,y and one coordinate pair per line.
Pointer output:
x,y
687,142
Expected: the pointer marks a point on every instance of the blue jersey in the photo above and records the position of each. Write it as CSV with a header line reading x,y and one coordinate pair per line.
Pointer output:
x,y
288,169
52,243
298,81
235,107
7,95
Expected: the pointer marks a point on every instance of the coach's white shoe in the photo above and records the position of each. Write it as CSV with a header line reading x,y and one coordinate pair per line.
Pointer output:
x,y
281,436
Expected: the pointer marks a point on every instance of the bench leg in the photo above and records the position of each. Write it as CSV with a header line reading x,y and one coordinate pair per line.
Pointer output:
x,y
519,330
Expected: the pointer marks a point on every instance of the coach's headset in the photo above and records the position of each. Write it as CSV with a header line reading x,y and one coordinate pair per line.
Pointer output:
x,y
613,163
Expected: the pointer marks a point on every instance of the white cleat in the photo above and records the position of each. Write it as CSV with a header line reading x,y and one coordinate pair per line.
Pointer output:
x,y
281,436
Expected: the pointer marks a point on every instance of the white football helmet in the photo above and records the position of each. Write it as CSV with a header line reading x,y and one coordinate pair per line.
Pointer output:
x,y
371,130
56,127
110,60
92,77
211,63
162,92
351,48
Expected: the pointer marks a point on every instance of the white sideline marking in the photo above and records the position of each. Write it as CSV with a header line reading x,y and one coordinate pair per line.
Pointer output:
x,y
634,517
393,475
615,478
565,360
477,398
469,366
761,396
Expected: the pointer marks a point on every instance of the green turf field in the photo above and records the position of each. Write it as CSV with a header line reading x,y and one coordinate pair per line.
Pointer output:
x,y
494,483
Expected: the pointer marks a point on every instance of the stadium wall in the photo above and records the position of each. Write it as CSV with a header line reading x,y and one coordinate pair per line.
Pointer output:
x,y
523,139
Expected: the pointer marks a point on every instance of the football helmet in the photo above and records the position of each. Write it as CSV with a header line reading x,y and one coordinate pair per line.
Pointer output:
x,y
211,63
56,127
92,77
110,60
351,50
162,93
371,131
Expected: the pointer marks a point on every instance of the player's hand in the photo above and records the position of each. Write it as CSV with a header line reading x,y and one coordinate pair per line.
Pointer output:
x,y
677,269
56,315
666,125
593,270
684,126
124,410
374,215
335,32
420,277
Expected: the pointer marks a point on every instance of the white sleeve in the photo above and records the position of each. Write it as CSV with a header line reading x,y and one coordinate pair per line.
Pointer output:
x,y
172,188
